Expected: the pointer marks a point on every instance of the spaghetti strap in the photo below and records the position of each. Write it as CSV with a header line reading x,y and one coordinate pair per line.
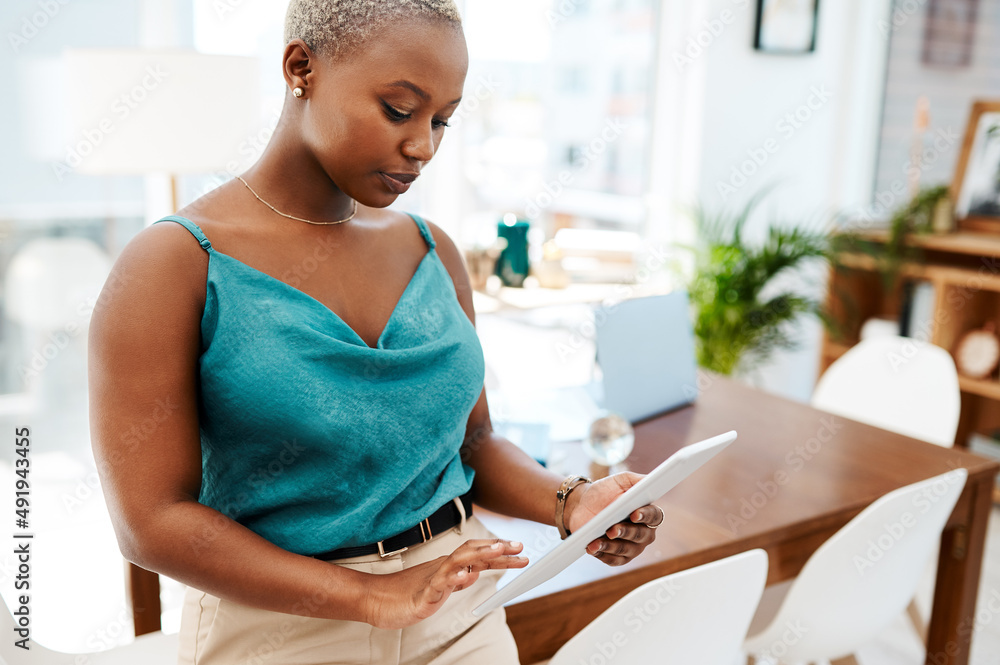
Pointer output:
x,y
424,231
190,226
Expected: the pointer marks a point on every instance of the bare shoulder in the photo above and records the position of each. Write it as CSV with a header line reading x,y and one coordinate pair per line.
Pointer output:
x,y
162,257
452,259
449,252
156,286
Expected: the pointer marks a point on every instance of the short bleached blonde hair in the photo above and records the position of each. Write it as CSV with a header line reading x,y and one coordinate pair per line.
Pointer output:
x,y
335,27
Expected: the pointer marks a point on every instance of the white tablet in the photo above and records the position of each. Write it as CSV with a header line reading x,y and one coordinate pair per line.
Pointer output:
x,y
658,482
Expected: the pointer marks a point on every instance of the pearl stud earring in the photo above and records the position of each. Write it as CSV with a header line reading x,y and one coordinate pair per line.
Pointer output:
x,y
298,92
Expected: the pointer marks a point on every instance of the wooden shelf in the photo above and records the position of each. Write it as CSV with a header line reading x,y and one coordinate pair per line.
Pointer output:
x,y
975,280
964,268
867,262
985,387
968,243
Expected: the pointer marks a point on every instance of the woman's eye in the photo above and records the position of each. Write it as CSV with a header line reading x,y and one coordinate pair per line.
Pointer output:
x,y
394,113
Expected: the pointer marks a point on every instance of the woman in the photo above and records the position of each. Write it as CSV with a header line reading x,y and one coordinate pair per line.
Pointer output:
x,y
309,385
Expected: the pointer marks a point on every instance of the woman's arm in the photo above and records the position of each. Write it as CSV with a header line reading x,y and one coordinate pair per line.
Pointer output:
x,y
143,363
509,481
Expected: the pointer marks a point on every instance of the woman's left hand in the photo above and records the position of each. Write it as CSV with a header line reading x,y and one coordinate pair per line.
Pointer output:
x,y
623,541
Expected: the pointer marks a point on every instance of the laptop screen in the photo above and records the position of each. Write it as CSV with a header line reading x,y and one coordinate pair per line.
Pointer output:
x,y
645,349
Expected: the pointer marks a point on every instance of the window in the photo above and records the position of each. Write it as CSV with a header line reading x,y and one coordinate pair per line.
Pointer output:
x,y
562,94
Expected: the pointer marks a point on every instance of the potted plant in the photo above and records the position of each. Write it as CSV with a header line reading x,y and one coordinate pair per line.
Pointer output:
x,y
915,217
744,307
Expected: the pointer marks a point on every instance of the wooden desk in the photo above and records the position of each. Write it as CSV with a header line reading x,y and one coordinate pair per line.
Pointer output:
x,y
819,470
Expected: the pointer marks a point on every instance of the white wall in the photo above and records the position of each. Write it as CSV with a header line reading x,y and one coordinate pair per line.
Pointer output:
x,y
35,35
729,102
950,91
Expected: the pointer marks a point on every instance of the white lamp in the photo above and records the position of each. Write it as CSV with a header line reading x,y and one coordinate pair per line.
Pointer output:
x,y
143,111
52,283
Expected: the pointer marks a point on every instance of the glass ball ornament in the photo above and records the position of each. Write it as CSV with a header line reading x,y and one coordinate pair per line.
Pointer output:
x,y
610,439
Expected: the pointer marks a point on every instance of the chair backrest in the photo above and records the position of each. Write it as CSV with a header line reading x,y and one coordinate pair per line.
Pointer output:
x,y
863,577
153,649
896,383
699,616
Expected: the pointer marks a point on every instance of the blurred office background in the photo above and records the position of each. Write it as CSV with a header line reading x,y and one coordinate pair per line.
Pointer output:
x,y
602,122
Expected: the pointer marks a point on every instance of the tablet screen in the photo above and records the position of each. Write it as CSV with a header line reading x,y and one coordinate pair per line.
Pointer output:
x,y
658,482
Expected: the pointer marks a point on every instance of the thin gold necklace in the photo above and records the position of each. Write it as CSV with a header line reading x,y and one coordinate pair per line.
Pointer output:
x,y
298,219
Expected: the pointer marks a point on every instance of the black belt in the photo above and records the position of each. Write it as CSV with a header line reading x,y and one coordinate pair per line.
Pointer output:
x,y
444,518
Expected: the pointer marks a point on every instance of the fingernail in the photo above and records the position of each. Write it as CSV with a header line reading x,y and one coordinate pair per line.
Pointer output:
x,y
496,546
515,544
600,547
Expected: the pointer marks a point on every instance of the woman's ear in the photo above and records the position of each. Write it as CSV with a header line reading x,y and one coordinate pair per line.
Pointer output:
x,y
297,64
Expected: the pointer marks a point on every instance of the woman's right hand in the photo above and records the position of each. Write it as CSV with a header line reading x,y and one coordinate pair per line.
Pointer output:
x,y
398,600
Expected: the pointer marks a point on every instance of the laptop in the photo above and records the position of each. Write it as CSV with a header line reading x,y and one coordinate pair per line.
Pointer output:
x,y
645,349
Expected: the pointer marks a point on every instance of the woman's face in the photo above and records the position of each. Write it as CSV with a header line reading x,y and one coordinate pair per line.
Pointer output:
x,y
376,117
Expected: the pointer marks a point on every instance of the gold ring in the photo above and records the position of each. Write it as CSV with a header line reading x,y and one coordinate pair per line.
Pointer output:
x,y
470,570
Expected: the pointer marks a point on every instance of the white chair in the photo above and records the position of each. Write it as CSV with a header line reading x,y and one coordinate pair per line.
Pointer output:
x,y
862,578
899,384
698,616
152,649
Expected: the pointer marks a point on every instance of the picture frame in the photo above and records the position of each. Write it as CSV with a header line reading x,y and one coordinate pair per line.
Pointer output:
x,y
975,188
786,26
949,33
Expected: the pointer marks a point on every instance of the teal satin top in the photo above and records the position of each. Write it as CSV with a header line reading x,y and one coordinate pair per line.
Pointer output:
x,y
311,438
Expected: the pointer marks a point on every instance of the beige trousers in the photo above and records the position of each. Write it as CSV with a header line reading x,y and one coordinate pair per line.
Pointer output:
x,y
220,632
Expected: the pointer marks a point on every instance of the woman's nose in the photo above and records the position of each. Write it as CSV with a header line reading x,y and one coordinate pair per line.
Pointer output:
x,y
420,147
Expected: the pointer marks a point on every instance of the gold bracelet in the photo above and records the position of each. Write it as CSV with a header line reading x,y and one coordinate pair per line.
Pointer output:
x,y
562,494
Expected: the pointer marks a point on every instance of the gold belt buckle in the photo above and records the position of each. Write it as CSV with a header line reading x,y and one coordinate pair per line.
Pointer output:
x,y
425,529
382,553
425,533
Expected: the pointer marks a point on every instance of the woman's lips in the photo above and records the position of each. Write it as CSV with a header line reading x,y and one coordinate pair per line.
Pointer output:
x,y
398,183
